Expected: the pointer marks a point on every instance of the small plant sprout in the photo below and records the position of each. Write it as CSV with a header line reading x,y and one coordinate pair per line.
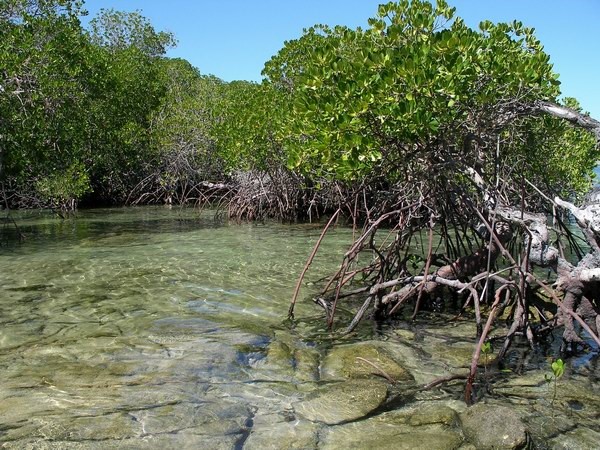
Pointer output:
x,y
558,369
486,349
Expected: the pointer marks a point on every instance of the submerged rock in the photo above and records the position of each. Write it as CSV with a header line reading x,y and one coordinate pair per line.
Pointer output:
x,y
578,438
577,402
494,427
434,413
397,438
392,430
279,360
343,402
348,361
288,360
273,430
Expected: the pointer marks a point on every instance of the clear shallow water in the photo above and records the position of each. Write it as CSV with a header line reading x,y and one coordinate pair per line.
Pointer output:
x,y
157,328
123,311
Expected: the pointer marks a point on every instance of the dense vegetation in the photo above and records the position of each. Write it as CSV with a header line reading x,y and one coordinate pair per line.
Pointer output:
x,y
101,116
417,123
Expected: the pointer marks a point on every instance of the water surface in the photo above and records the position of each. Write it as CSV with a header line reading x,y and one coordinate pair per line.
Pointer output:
x,y
110,317
159,328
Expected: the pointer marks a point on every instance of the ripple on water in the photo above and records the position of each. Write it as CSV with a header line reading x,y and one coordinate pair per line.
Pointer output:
x,y
151,327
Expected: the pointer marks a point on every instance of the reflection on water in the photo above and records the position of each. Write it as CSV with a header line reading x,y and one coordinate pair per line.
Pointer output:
x,y
148,327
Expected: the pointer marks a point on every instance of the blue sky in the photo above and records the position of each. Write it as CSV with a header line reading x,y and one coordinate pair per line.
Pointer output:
x,y
232,39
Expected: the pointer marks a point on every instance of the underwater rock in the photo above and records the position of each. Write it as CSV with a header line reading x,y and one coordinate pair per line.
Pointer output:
x,y
342,402
288,360
577,402
579,438
273,430
344,362
493,427
382,432
434,413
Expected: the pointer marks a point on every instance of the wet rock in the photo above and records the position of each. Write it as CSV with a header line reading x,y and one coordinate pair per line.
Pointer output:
x,y
406,335
463,330
542,425
580,438
456,355
181,441
381,433
419,363
46,427
19,414
420,413
184,440
578,391
269,395
279,353
271,430
493,427
286,360
278,362
205,418
112,426
576,402
344,362
434,413
343,402
305,359
307,364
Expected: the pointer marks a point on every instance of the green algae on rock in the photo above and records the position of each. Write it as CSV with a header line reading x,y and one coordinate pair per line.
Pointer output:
x,y
343,402
349,361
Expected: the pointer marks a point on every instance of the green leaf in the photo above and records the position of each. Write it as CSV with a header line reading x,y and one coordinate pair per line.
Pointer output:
x,y
558,368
